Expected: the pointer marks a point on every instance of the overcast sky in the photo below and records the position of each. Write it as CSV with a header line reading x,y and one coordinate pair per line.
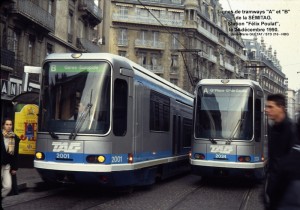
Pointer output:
x,y
287,47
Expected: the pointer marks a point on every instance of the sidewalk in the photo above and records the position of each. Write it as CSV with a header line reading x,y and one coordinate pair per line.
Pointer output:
x,y
27,178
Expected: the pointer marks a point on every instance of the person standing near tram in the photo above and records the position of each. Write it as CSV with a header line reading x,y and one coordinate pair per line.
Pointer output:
x,y
281,138
9,156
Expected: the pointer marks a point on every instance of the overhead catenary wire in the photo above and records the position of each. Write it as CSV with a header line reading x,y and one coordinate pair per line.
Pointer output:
x,y
166,28
184,50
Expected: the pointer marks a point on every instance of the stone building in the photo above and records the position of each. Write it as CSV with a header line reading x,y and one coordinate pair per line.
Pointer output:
x,y
264,67
183,41
32,29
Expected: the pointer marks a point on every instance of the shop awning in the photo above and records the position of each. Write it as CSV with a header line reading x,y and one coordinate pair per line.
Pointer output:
x,y
27,98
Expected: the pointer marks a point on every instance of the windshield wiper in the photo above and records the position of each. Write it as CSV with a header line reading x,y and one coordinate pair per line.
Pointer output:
x,y
211,139
80,121
82,118
53,135
238,125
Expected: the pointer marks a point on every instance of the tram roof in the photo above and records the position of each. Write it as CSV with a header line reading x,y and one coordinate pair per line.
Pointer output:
x,y
114,58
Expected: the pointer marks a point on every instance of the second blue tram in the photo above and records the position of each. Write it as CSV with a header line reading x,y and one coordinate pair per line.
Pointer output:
x,y
229,129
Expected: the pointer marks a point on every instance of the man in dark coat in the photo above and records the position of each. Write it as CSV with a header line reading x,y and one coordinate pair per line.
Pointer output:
x,y
291,173
282,137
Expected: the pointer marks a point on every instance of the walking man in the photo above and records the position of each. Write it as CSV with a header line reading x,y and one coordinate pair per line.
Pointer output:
x,y
281,138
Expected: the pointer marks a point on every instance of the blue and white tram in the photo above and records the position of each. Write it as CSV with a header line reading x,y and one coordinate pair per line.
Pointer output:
x,y
229,137
105,120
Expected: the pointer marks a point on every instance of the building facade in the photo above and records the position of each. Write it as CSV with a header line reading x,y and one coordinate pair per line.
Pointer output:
x,y
264,67
291,103
32,29
183,41
297,103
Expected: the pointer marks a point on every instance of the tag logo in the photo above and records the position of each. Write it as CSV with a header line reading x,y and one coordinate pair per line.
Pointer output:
x,y
226,149
66,147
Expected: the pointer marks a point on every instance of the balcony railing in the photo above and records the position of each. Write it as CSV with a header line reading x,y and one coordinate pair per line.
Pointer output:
x,y
34,13
7,58
147,20
91,8
155,68
212,58
229,48
208,34
87,45
150,44
229,67
123,42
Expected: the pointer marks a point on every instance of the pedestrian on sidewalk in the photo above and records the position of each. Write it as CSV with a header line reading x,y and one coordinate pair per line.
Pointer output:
x,y
9,156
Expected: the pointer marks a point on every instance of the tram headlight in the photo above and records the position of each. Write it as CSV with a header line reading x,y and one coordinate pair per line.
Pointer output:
x,y
95,159
101,159
39,156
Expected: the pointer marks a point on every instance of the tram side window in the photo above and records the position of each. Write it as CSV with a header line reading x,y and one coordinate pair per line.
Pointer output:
x,y
120,107
159,112
258,117
187,132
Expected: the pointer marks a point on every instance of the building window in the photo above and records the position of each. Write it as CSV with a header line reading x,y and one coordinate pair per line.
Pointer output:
x,y
49,49
122,53
50,6
154,57
70,26
13,42
143,35
155,13
31,57
155,35
142,12
123,37
174,61
123,11
174,39
174,81
142,59
175,15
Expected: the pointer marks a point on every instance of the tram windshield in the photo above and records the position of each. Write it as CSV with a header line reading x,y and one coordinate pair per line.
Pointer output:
x,y
224,112
75,97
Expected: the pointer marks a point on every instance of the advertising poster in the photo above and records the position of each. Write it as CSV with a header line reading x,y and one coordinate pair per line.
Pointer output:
x,y
26,117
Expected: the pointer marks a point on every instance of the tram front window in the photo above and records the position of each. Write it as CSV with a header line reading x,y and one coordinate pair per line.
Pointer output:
x,y
75,95
224,113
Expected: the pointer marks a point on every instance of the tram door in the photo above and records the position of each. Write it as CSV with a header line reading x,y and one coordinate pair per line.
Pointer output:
x,y
176,135
138,118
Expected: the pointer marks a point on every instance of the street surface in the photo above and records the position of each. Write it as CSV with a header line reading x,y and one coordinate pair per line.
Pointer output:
x,y
178,193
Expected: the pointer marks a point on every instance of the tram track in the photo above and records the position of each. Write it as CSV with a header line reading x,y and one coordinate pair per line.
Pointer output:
x,y
184,197
245,199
